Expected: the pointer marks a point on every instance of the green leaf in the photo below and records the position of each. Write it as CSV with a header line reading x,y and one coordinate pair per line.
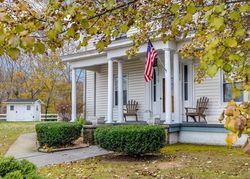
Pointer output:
x,y
219,8
244,8
14,53
212,70
235,15
58,26
234,57
175,8
248,44
218,23
39,48
191,9
100,45
19,28
124,28
70,32
236,93
85,23
92,31
230,42
240,33
52,35
227,68
85,42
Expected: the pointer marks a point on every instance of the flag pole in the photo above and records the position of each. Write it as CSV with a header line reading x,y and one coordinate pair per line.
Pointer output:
x,y
160,60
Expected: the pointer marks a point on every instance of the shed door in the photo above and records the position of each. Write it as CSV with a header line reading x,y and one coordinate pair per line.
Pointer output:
x,y
20,113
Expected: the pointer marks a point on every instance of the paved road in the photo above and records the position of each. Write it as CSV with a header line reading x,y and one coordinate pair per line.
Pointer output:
x,y
25,147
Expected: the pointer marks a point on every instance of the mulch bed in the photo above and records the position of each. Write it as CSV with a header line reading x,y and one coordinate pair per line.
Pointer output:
x,y
77,144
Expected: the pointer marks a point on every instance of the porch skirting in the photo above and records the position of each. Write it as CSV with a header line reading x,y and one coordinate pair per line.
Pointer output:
x,y
200,133
193,133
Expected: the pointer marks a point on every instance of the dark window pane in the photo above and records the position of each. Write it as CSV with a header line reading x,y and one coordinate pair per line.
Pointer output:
x,y
116,97
125,97
11,108
185,91
185,73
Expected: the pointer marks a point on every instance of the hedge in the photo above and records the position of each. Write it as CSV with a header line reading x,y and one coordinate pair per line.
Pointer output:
x,y
11,168
56,134
131,139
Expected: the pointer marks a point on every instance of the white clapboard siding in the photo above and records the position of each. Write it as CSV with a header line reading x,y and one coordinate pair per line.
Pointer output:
x,y
90,94
133,69
211,88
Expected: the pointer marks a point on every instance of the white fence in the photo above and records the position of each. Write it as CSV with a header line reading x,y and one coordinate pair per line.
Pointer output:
x,y
49,117
3,117
43,117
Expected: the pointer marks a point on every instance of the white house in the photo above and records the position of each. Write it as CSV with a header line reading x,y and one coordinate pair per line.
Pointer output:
x,y
23,110
113,79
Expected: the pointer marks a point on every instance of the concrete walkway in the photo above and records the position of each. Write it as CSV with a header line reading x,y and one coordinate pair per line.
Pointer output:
x,y
25,148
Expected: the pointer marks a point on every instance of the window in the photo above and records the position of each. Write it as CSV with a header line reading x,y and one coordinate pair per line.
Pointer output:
x,y
125,89
28,107
227,91
12,108
37,109
185,76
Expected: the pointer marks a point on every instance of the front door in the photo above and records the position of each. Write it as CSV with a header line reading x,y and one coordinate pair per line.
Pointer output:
x,y
156,94
187,86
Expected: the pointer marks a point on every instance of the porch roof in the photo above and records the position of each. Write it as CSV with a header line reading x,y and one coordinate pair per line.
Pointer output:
x,y
116,50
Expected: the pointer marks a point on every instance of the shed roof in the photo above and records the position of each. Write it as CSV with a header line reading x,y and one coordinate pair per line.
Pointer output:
x,y
21,100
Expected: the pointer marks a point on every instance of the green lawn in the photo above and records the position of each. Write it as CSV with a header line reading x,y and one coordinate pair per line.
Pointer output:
x,y
176,161
9,132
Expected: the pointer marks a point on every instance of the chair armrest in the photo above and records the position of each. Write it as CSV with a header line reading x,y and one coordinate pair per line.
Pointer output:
x,y
187,109
203,107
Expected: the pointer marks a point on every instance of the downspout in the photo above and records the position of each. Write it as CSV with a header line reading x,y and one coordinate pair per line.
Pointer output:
x,y
85,92
95,94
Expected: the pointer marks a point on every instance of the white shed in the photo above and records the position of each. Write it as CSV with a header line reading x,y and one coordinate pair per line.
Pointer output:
x,y
23,109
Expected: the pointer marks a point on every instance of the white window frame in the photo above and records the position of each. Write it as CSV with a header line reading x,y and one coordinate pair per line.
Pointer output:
x,y
222,91
28,107
116,77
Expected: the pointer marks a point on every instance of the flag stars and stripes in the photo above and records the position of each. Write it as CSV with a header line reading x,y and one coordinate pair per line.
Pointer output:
x,y
150,60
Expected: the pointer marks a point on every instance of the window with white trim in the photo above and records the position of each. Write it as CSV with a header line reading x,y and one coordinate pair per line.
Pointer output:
x,y
28,107
227,91
125,89
185,82
12,108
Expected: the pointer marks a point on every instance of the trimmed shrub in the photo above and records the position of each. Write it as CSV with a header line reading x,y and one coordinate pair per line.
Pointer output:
x,y
56,134
11,168
131,139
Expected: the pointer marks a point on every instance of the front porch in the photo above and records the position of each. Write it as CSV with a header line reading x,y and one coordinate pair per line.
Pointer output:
x,y
112,80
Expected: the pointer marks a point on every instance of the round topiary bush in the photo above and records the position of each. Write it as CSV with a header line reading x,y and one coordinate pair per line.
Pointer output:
x,y
11,168
56,134
131,139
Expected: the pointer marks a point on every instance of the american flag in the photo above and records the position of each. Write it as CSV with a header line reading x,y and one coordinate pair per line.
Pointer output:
x,y
150,60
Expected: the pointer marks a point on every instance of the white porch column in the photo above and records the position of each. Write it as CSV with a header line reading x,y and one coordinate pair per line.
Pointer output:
x,y
176,88
168,95
120,91
73,96
110,92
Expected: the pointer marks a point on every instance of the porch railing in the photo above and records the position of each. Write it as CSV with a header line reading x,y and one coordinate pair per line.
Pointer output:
x,y
49,117
3,117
